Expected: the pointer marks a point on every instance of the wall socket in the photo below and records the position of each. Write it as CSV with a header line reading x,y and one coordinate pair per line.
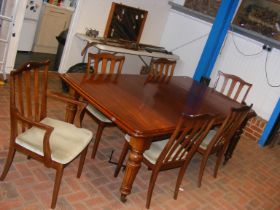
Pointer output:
x,y
267,47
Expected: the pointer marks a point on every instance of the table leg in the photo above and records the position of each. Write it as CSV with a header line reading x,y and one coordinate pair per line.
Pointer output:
x,y
71,109
235,139
138,146
233,142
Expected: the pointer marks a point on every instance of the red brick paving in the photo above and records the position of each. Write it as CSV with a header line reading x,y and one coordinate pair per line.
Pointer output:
x,y
250,180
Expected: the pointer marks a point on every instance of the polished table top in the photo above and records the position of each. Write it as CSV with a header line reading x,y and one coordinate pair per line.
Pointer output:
x,y
145,106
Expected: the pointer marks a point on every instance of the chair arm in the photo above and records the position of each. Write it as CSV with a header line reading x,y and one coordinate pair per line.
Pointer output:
x,y
46,139
67,99
82,105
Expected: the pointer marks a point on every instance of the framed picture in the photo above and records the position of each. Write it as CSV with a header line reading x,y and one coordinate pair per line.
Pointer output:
x,y
125,23
261,16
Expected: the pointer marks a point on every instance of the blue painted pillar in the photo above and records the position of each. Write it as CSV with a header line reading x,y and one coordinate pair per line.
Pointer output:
x,y
216,38
270,124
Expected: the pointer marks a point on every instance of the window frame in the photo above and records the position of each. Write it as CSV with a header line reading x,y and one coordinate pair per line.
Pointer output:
x,y
234,28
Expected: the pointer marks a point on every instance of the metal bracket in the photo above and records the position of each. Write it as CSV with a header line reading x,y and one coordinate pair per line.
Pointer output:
x,y
113,162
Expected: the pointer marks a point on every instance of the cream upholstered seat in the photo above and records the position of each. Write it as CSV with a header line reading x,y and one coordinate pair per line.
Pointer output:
x,y
92,110
155,150
207,139
66,141
175,152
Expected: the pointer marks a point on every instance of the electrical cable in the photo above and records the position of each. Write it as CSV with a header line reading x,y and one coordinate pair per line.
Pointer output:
x,y
238,50
189,42
254,54
266,75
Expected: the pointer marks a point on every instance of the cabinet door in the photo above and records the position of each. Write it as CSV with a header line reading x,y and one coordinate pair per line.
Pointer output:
x,y
52,25
53,21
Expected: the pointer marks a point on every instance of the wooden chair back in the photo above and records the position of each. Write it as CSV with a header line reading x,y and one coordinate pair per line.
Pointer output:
x,y
231,86
105,63
163,67
28,90
229,127
189,133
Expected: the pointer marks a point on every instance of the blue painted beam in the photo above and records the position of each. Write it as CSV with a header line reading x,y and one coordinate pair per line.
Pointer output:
x,y
216,38
270,124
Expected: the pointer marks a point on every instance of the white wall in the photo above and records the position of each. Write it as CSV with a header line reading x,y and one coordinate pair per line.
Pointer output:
x,y
181,28
252,69
94,14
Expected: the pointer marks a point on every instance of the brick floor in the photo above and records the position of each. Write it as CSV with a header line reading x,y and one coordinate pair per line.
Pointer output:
x,y
250,180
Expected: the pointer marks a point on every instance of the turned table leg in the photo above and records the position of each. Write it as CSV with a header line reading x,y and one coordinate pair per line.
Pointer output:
x,y
138,146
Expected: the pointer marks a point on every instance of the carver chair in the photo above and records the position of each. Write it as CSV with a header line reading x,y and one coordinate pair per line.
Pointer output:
x,y
217,141
232,86
53,142
175,152
162,67
103,63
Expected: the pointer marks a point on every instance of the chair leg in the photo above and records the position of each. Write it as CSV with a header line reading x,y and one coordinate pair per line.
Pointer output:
x,y
151,187
218,161
180,178
122,157
58,176
8,164
97,139
82,161
202,168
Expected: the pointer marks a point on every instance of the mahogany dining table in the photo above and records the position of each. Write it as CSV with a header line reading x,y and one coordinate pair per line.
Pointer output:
x,y
146,107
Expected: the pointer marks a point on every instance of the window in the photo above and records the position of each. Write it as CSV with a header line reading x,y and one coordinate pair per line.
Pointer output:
x,y
261,16
207,7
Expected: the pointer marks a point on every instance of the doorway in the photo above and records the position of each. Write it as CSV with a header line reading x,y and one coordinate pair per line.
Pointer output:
x,y
7,13
44,32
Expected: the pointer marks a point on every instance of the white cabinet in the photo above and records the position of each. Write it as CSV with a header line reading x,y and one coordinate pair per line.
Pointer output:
x,y
52,22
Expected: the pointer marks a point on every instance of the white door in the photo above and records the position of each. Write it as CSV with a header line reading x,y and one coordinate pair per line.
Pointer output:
x,y
7,14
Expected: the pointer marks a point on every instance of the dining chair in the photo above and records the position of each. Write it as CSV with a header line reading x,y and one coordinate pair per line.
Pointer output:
x,y
103,63
232,86
53,142
175,152
217,140
162,67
